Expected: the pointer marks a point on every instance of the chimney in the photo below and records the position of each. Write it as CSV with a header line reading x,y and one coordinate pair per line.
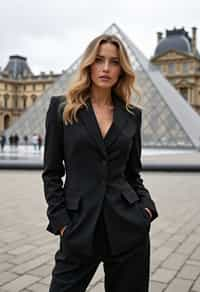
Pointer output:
x,y
159,37
194,39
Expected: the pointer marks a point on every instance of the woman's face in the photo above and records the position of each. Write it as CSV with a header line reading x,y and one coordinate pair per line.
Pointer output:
x,y
106,68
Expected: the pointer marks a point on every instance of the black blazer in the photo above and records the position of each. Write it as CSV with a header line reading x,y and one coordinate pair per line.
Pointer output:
x,y
97,171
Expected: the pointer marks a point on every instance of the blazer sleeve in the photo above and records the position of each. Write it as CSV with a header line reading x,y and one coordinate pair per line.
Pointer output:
x,y
54,170
134,167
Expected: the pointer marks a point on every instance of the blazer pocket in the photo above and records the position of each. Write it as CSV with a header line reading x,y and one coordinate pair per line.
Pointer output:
x,y
130,196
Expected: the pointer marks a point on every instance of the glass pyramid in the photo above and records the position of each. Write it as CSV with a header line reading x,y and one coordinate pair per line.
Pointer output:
x,y
168,120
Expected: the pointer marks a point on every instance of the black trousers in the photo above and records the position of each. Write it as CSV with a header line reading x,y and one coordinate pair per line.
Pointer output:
x,y
126,272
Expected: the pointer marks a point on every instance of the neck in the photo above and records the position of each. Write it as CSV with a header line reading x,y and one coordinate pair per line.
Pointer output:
x,y
101,96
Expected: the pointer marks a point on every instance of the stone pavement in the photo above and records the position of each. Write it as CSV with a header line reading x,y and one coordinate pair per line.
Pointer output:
x,y
27,249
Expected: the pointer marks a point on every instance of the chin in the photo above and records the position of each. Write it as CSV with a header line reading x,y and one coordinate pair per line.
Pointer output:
x,y
104,85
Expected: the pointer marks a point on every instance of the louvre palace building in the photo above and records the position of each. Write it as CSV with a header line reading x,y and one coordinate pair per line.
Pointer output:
x,y
178,58
20,88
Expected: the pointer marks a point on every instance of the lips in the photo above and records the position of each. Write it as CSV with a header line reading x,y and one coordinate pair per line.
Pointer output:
x,y
104,77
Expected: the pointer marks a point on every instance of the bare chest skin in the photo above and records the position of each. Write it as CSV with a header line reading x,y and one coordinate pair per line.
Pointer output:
x,y
104,117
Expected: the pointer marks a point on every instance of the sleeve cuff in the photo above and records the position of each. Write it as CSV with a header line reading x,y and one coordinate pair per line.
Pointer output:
x,y
58,221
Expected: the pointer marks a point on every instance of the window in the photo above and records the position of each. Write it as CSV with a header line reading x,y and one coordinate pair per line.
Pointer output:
x,y
6,121
6,97
185,68
171,68
184,92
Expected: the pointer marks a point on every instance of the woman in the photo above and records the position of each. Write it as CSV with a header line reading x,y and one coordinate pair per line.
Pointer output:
x,y
103,211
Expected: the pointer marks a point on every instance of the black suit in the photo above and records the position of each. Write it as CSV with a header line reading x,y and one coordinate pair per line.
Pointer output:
x,y
98,170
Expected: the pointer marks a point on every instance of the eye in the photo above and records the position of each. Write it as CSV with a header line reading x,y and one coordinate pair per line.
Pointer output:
x,y
98,60
115,62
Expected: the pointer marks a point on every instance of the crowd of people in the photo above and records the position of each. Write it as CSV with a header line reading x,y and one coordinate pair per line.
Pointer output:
x,y
14,140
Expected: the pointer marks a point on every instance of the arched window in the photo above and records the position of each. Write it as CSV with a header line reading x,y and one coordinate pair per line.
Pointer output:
x,y
6,121
33,97
184,92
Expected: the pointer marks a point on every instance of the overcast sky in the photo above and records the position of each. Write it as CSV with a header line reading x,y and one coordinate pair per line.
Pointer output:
x,y
52,34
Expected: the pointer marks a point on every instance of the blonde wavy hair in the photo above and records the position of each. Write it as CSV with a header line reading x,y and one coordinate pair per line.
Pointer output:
x,y
79,91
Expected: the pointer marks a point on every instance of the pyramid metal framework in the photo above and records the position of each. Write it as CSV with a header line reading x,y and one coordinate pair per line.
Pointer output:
x,y
168,120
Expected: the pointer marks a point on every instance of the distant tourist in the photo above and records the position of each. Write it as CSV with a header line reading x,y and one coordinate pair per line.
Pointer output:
x,y
16,140
35,141
11,141
2,141
39,141
26,140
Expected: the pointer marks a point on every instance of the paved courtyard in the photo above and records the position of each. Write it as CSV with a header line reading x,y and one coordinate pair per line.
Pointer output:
x,y
27,249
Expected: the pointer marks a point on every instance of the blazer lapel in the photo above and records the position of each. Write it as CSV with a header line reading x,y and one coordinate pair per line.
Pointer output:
x,y
121,122
119,125
89,121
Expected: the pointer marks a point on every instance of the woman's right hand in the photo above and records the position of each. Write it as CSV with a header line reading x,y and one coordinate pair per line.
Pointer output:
x,y
62,230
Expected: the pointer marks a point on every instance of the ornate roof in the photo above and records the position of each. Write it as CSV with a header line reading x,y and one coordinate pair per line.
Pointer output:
x,y
17,68
176,39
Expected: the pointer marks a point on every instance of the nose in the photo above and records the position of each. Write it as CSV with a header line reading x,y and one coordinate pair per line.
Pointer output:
x,y
106,66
